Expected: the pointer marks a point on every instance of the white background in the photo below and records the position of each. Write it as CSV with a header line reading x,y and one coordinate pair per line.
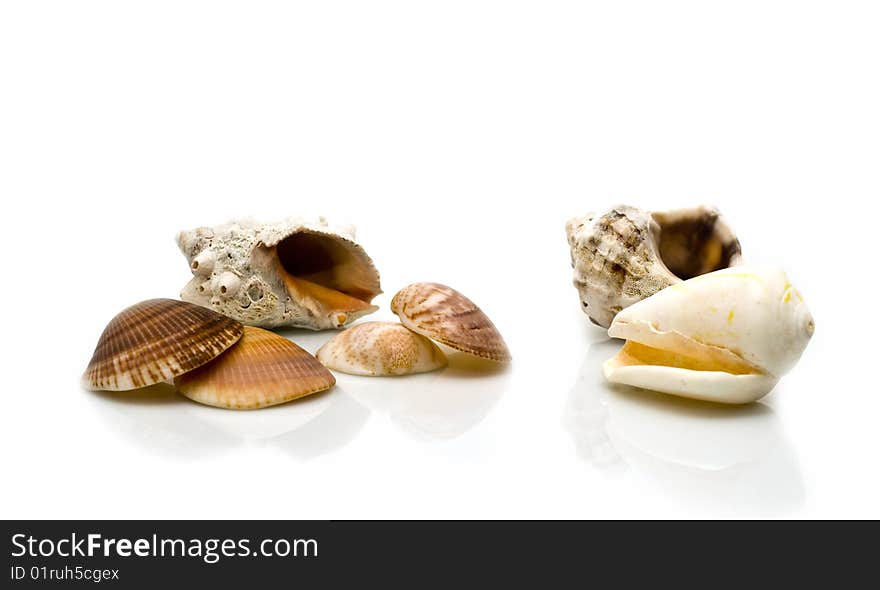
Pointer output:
x,y
458,137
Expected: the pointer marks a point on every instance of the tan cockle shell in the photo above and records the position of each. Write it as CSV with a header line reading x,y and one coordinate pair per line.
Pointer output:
x,y
380,349
443,314
262,369
155,341
626,254
295,272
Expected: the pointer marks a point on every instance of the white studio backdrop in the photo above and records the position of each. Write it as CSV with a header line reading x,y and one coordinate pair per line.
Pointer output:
x,y
458,137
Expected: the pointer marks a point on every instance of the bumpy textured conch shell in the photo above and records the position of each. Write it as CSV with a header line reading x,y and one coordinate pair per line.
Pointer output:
x,y
291,273
155,341
443,314
262,369
727,336
626,254
379,349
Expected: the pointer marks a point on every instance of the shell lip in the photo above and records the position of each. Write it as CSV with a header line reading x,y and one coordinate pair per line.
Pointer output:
x,y
85,382
381,349
334,307
249,408
625,254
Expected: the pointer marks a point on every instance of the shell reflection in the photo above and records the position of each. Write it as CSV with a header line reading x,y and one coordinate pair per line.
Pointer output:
x,y
706,456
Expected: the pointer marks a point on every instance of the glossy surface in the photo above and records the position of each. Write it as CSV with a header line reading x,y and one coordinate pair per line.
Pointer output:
x,y
459,140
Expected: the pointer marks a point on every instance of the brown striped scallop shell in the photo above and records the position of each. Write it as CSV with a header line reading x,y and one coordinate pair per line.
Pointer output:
x,y
262,369
376,349
445,315
156,340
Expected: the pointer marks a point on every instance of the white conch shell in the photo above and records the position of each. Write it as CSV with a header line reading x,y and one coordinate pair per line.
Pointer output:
x,y
295,272
625,254
381,348
726,336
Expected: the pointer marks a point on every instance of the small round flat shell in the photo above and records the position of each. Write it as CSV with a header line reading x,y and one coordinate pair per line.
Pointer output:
x,y
378,349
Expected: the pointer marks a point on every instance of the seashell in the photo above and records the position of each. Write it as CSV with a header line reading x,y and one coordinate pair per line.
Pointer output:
x,y
626,254
262,369
291,273
726,336
445,315
381,348
155,341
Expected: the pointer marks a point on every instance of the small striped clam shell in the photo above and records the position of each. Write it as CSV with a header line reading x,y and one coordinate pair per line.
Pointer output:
x,y
443,314
262,369
155,341
381,348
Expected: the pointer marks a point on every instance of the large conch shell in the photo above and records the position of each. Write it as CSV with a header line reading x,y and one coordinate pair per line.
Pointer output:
x,y
291,273
726,336
626,254
443,314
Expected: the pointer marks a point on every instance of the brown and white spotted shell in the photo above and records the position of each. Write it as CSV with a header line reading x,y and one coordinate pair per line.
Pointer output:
x,y
443,314
626,254
378,349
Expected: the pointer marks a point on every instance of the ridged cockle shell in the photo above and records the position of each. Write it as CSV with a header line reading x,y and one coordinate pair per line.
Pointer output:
x,y
443,314
155,341
626,254
379,349
726,336
295,272
262,369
